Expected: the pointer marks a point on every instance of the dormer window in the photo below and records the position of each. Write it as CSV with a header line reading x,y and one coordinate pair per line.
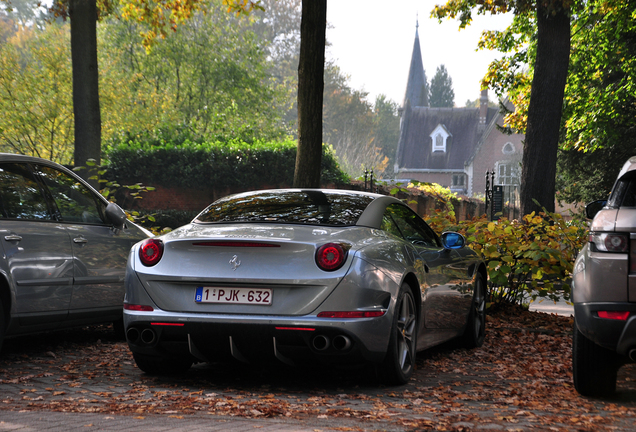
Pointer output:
x,y
439,138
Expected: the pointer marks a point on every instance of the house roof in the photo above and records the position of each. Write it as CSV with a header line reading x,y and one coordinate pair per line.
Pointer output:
x,y
415,145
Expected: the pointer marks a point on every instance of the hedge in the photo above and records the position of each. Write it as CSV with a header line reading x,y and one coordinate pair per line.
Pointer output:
x,y
219,164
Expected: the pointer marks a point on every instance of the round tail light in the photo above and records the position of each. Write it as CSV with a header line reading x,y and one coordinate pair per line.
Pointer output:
x,y
331,256
150,252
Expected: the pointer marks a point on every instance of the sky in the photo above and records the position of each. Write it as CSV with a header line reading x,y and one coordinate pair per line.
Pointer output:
x,y
372,42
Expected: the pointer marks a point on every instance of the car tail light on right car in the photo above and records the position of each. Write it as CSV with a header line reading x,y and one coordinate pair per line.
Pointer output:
x,y
610,242
615,315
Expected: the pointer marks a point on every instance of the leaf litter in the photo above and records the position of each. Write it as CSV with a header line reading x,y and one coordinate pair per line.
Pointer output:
x,y
520,379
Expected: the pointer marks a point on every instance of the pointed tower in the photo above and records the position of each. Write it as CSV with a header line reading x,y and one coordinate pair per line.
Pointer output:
x,y
416,85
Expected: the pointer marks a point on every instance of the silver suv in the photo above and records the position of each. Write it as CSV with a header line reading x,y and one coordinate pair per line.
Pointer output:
x,y
64,249
604,290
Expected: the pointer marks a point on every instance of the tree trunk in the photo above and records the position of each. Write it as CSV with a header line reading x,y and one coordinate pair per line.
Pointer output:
x,y
88,127
311,68
538,174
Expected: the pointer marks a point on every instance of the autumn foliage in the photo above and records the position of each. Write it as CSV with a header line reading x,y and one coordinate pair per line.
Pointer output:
x,y
527,258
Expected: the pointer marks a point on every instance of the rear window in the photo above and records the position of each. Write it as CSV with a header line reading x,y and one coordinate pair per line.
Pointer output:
x,y
303,207
624,193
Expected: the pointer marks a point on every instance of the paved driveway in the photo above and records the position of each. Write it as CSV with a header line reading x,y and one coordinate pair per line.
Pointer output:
x,y
548,306
519,380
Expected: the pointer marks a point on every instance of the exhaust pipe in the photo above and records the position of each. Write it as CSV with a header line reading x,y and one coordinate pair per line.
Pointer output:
x,y
320,342
132,335
632,354
341,343
148,336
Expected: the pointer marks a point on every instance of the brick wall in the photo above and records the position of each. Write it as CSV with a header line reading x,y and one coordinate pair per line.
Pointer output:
x,y
164,198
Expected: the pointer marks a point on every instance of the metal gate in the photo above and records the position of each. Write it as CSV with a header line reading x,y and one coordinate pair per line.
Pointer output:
x,y
501,200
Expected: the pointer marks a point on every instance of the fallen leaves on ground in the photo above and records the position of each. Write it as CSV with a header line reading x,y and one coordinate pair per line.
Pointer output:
x,y
521,377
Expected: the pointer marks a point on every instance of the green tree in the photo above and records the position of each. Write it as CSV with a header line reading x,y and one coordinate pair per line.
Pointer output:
x,y
549,55
311,65
83,15
600,101
211,76
279,25
442,93
35,94
8,26
386,128
601,93
27,13
349,125
598,107
584,177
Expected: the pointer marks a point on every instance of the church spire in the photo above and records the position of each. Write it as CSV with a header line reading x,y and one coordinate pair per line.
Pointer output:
x,y
416,85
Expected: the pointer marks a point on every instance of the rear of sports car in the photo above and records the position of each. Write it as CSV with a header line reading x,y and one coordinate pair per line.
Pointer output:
x,y
255,292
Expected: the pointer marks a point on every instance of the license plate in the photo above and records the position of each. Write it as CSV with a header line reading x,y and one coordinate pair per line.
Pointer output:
x,y
262,296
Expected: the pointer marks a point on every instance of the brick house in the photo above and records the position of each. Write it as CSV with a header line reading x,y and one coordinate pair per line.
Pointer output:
x,y
453,147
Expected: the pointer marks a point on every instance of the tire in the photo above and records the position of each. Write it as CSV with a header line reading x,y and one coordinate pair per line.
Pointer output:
x,y
475,331
594,367
399,362
161,365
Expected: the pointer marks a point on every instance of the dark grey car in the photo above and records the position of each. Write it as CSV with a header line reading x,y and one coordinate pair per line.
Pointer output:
x,y
64,249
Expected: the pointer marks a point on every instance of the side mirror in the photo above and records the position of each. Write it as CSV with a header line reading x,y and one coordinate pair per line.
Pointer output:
x,y
453,240
116,215
594,207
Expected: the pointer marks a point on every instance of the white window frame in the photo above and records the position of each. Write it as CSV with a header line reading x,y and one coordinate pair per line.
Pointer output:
x,y
510,176
439,138
461,177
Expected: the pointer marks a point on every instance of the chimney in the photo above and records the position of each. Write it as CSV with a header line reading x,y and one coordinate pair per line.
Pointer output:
x,y
483,109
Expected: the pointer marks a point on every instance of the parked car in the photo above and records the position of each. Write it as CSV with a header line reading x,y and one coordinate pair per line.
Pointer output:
x,y
604,290
64,249
299,275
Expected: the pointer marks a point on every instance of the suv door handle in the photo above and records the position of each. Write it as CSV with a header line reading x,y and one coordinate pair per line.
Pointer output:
x,y
13,237
80,240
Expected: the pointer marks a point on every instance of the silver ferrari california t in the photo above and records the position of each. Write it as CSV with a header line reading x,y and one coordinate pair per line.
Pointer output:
x,y
296,275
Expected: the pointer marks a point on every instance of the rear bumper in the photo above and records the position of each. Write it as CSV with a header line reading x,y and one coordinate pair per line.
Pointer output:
x,y
257,339
615,335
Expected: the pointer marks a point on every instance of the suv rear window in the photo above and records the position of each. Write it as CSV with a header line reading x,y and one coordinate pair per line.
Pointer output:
x,y
624,192
305,207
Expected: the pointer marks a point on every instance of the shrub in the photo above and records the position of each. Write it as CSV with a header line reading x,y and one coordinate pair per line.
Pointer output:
x,y
525,259
162,219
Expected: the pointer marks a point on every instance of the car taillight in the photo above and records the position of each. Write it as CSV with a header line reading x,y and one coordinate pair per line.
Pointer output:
x,y
138,308
610,242
150,252
331,256
615,315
